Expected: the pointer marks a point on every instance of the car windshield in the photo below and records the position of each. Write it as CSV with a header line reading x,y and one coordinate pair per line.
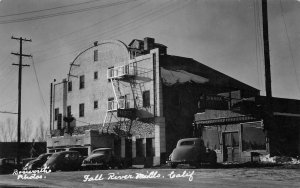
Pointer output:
x,y
187,143
104,152
53,157
44,156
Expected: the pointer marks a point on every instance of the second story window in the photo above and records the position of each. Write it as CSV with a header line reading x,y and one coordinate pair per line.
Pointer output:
x,y
69,112
95,104
81,82
56,112
95,55
70,86
146,98
81,110
95,75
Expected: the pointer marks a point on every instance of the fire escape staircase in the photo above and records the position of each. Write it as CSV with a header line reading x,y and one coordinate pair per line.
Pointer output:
x,y
136,77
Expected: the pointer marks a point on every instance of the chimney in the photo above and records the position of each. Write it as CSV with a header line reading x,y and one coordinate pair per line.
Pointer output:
x,y
148,43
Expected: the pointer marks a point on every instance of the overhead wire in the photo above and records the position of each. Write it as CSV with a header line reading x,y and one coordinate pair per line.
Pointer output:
x,y
38,84
101,34
47,9
65,12
290,47
119,27
89,26
257,41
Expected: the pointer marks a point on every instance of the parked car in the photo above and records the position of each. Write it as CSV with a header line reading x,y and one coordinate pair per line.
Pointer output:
x,y
26,160
101,158
193,152
64,161
38,162
7,165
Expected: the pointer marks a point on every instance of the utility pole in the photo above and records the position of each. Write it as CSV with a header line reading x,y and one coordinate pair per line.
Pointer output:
x,y
268,116
266,49
20,54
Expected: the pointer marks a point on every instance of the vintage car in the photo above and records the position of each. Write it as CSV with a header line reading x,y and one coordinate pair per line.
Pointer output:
x,y
38,162
64,161
7,165
193,152
101,158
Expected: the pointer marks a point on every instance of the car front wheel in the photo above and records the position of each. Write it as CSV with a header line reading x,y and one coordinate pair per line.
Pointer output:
x,y
174,165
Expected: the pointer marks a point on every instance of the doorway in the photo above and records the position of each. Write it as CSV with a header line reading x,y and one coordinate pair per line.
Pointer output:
x,y
231,149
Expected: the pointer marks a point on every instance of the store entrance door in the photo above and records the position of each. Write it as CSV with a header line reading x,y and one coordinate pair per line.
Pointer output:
x,y
231,147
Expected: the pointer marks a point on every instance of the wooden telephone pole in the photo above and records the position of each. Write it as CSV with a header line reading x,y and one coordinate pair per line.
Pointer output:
x,y
268,110
20,54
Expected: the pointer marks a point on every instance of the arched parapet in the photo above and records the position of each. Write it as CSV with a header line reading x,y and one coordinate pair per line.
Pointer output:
x,y
102,54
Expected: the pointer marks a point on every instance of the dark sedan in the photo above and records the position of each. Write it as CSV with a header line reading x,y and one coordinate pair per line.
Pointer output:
x,y
64,161
7,165
101,158
38,162
193,152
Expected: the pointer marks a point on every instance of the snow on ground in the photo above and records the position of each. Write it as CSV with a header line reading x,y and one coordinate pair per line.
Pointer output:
x,y
279,159
171,77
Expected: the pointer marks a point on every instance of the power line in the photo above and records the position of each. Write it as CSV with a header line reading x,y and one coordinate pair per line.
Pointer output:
x,y
38,83
290,47
90,26
257,29
47,9
139,18
108,31
65,12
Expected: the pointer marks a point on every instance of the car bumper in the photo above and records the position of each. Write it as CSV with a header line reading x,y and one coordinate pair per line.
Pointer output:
x,y
180,162
92,164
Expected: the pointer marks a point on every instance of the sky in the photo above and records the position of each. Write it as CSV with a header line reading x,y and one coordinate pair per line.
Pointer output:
x,y
223,34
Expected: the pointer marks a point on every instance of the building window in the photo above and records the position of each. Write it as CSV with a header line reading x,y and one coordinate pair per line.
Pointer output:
x,y
111,104
95,55
146,98
81,82
95,75
70,86
69,112
56,112
59,121
95,104
81,110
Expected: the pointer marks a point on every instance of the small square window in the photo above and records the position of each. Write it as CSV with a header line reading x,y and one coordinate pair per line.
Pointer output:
x,y
95,75
95,104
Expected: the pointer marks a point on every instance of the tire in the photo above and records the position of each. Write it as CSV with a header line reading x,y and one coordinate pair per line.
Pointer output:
x,y
213,158
174,165
197,165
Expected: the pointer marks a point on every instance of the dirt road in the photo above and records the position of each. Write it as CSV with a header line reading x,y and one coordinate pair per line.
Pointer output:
x,y
236,177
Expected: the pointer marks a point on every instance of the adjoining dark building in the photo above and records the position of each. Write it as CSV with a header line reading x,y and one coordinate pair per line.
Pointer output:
x,y
138,100
239,134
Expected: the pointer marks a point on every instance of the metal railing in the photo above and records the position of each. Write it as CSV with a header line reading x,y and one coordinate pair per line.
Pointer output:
x,y
127,70
113,105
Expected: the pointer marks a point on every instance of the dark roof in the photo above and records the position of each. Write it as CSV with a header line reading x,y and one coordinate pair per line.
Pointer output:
x,y
281,105
134,41
218,80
